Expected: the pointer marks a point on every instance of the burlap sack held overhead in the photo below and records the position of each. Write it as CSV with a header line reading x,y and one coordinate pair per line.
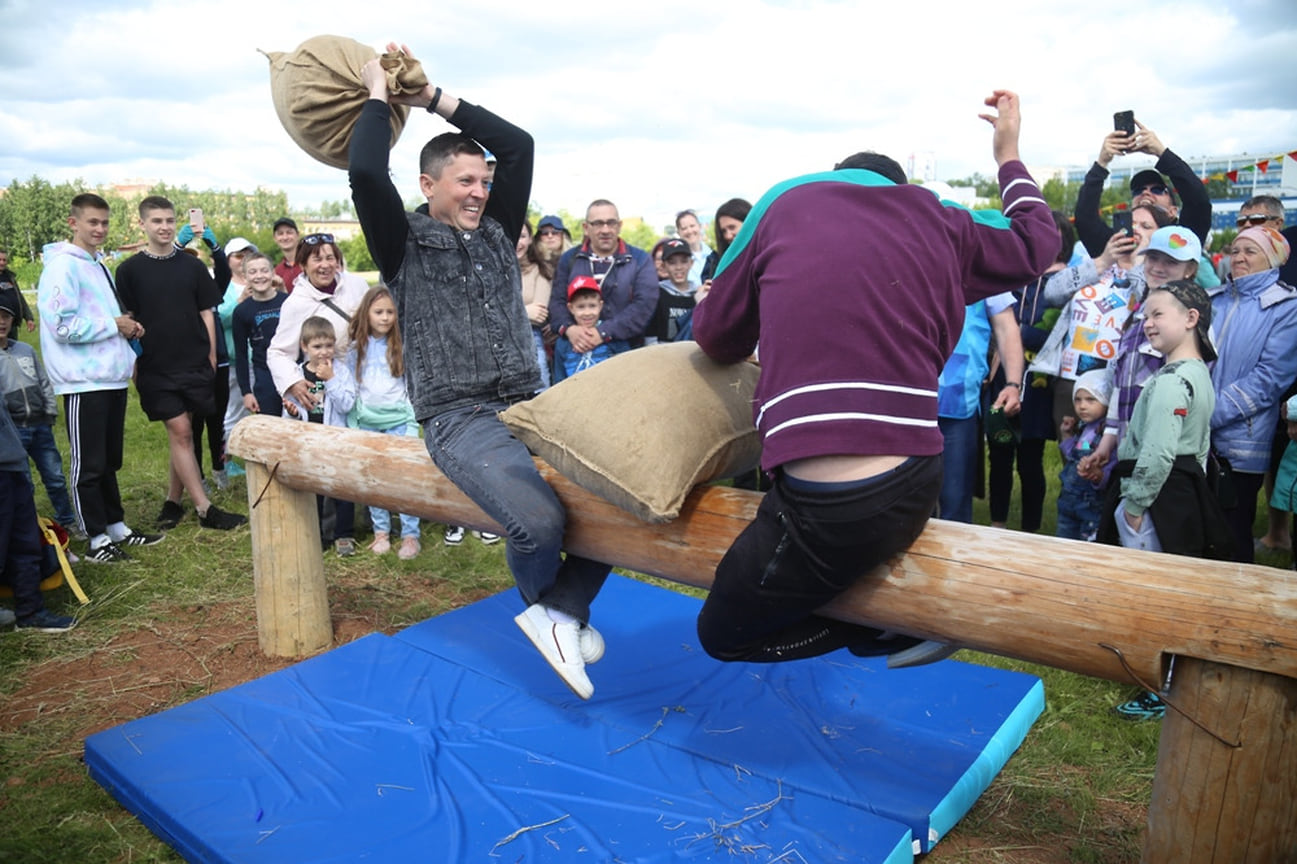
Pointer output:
x,y
318,92
643,428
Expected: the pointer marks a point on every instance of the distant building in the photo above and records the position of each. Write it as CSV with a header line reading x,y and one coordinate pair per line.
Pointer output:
x,y
341,229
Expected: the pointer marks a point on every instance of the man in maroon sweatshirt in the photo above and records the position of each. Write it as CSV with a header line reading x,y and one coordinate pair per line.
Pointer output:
x,y
854,285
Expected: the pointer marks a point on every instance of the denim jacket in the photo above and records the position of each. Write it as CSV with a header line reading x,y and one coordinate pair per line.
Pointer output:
x,y
465,330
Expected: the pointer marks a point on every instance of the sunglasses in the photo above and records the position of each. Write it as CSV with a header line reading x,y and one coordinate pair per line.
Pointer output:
x,y
317,239
1254,219
604,223
1155,188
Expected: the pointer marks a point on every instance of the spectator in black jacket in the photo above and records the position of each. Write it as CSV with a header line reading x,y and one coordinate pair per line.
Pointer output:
x,y
1192,208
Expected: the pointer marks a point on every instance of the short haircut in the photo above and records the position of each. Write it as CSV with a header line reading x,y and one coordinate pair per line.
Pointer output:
x,y
317,327
87,201
155,202
600,202
440,151
257,255
683,213
876,162
1269,203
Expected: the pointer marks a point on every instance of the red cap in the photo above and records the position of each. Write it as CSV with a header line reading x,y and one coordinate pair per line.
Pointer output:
x,y
583,283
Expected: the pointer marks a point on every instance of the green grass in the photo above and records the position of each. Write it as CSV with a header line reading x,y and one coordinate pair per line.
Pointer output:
x,y
182,618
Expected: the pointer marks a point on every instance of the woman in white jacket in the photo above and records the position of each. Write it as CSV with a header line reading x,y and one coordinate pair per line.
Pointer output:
x,y
325,289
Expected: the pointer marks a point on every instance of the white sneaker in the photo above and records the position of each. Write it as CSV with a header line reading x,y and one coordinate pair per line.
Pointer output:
x,y
591,645
487,538
560,645
454,535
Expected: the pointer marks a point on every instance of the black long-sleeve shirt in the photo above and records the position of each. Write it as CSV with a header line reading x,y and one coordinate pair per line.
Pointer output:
x,y
379,206
1195,203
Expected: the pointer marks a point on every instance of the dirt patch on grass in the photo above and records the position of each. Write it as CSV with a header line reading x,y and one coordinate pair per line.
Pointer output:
x,y
185,653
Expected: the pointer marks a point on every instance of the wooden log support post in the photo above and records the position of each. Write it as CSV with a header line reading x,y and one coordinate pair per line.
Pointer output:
x,y
1109,613
287,568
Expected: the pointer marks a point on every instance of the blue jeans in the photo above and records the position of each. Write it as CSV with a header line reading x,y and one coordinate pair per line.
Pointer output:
x,y
1080,505
20,543
381,518
959,458
541,358
38,441
477,453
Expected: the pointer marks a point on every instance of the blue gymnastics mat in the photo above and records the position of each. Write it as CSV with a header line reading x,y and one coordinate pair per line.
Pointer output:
x,y
453,741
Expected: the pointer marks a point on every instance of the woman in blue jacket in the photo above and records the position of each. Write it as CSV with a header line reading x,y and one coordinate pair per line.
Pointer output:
x,y
1255,317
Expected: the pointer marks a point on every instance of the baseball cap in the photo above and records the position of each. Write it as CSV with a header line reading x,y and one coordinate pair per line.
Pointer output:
x,y
9,299
1193,296
1149,177
675,246
583,283
1176,241
238,244
282,221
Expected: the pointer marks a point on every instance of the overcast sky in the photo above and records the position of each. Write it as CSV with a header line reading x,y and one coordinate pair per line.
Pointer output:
x,y
657,106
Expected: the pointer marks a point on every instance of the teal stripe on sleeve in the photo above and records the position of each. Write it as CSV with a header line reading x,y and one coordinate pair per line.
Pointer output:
x,y
858,176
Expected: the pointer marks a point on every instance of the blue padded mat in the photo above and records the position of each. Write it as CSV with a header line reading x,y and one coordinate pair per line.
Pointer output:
x,y
453,742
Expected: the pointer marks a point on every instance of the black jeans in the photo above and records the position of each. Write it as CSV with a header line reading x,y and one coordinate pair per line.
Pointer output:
x,y
804,549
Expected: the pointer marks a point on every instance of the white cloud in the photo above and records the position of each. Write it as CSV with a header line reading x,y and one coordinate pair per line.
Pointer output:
x,y
658,108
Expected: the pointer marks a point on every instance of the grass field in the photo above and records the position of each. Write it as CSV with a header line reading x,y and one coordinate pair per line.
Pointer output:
x,y
179,623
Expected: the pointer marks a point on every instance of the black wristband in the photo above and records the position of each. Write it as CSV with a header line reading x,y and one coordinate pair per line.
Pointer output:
x,y
1013,384
436,97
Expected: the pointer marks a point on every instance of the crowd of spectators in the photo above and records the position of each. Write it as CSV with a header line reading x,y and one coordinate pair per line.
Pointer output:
x,y
1064,358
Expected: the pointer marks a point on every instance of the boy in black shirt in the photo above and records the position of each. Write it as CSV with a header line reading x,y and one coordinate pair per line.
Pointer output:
x,y
172,295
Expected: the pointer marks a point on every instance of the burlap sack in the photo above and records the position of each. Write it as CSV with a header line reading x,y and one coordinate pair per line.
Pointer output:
x,y
643,428
318,92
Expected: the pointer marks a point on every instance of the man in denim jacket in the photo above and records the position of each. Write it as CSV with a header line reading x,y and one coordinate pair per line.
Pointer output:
x,y
468,345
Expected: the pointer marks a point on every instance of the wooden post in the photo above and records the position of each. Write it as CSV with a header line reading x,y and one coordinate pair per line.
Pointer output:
x,y
288,570
1214,803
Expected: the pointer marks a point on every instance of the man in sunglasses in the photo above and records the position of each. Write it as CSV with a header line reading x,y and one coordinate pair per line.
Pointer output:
x,y
452,268
1148,186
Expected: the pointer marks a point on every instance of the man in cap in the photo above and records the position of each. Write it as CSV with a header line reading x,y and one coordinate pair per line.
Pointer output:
x,y
1192,210
286,238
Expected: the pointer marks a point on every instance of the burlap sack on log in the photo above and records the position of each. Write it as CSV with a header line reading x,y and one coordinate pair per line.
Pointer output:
x,y
318,92
641,429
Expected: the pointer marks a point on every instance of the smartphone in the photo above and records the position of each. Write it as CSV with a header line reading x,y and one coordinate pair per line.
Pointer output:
x,y
1124,121
1121,221
196,221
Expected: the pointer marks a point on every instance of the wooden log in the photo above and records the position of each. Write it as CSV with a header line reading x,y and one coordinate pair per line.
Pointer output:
x,y
1214,802
287,570
1036,598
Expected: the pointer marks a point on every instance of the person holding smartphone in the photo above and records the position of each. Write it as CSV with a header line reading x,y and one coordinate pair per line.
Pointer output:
x,y
1184,196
